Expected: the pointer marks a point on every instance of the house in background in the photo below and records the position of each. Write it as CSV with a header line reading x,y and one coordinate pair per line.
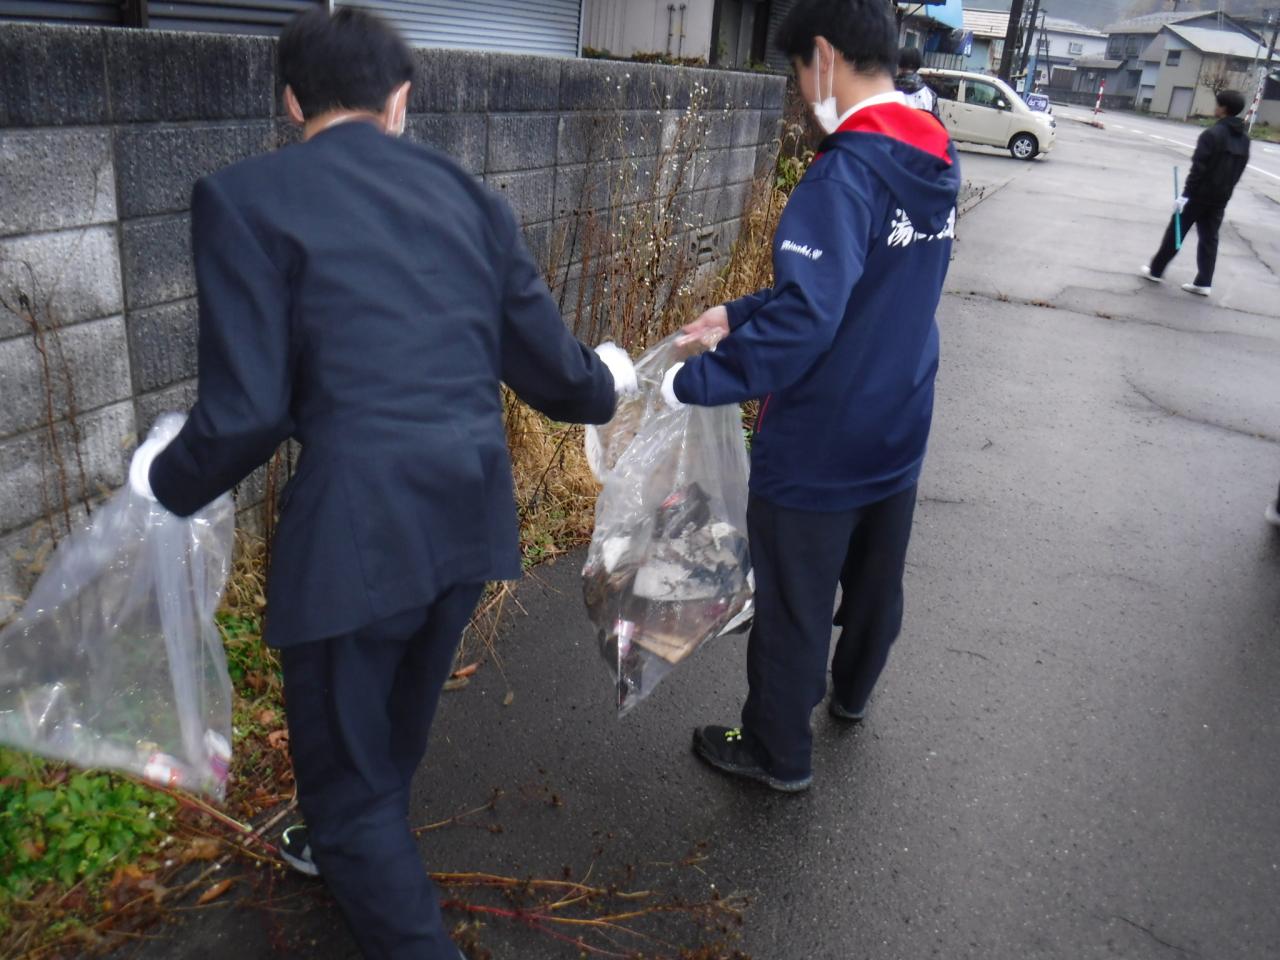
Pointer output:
x,y
1193,63
1133,79
1057,44
935,28
988,29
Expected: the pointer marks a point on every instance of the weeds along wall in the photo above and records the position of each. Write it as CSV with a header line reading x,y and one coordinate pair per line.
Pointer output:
x,y
630,180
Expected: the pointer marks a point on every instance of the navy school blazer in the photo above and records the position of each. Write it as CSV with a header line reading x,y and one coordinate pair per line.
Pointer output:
x,y
366,296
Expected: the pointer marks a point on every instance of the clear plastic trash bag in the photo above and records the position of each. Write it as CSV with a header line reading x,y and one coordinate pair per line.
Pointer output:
x,y
668,567
115,660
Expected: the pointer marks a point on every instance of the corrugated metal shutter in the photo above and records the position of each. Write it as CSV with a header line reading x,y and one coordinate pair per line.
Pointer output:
x,y
226,16
516,26
778,9
98,12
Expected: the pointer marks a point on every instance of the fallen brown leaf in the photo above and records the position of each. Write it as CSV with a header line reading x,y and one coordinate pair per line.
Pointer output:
x,y
278,739
509,699
467,671
214,892
267,717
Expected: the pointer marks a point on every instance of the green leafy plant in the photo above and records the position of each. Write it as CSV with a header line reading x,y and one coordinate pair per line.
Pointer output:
x,y
59,826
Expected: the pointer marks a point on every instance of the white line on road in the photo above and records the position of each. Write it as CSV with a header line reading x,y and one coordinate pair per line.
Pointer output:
x,y
1189,146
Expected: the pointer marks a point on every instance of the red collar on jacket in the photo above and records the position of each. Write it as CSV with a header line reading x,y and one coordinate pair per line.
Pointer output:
x,y
917,128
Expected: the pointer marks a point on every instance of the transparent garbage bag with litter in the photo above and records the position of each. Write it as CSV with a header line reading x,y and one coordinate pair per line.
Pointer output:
x,y
668,567
115,660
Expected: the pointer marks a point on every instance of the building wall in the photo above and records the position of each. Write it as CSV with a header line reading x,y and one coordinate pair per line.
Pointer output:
x,y
628,27
1060,42
1186,73
99,148
980,57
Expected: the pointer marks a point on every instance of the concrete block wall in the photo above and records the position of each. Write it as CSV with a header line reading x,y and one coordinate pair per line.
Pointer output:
x,y
104,131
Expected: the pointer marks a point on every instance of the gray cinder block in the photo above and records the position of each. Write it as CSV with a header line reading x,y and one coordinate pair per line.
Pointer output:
x,y
449,81
93,357
460,135
162,345
156,260
158,75
52,179
531,193
51,76
523,83
158,166
71,275
521,141
31,481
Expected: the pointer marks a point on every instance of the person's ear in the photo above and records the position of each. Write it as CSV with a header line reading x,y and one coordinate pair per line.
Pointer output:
x,y
293,107
397,108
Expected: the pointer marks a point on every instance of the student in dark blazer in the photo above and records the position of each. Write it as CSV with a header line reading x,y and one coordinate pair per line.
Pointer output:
x,y
366,296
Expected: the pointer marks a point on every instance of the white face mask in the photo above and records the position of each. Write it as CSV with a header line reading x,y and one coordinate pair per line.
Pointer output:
x,y
825,110
396,129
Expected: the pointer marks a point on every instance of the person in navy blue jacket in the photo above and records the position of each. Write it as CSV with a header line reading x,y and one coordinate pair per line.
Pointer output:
x,y
367,296
842,353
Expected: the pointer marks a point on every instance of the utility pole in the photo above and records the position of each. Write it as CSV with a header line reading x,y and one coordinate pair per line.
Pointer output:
x,y
1273,20
1011,40
1026,46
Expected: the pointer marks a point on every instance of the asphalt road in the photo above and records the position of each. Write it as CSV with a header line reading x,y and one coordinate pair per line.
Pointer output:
x,y
1073,752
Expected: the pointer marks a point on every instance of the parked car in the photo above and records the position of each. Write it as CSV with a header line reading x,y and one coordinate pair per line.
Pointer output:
x,y
981,109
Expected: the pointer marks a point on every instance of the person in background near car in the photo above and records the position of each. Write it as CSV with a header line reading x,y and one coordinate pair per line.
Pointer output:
x,y
843,350
366,296
918,93
1222,153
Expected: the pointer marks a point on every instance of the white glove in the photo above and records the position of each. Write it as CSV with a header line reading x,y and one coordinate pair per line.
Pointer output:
x,y
669,387
620,365
166,428
1179,205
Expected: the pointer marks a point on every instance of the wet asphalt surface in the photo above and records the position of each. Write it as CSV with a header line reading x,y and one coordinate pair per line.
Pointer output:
x,y
1075,750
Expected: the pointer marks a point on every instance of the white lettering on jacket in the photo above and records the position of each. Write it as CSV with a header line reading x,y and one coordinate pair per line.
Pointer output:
x,y
804,251
902,233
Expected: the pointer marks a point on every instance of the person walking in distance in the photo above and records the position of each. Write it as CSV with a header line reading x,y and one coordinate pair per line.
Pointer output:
x,y
367,296
918,93
1222,153
843,350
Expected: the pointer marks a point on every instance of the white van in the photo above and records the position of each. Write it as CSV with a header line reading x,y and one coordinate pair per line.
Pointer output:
x,y
981,109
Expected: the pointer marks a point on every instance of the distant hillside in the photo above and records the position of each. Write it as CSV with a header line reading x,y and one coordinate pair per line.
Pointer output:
x,y
1100,13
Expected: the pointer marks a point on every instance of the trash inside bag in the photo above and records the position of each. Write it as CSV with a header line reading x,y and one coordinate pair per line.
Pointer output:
x,y
115,660
668,567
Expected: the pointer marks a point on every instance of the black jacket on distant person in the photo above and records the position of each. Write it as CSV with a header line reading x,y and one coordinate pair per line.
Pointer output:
x,y
1222,153
365,296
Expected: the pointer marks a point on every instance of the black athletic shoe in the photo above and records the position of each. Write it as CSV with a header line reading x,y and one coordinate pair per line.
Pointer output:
x,y
844,713
724,749
295,849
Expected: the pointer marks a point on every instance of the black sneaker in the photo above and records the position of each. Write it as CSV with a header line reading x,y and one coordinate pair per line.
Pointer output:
x,y
725,749
844,713
295,849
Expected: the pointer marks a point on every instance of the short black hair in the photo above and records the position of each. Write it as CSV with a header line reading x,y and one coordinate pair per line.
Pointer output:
x,y
864,31
909,59
1232,101
347,60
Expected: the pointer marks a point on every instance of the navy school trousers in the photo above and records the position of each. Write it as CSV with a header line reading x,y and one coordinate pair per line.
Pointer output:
x,y
799,557
360,708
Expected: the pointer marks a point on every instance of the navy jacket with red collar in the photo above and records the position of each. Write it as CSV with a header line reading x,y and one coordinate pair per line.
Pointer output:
x,y
843,348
